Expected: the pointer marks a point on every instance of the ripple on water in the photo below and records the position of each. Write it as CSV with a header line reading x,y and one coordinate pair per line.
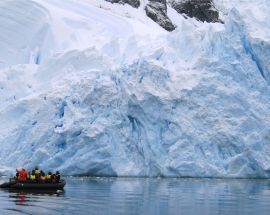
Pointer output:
x,y
143,196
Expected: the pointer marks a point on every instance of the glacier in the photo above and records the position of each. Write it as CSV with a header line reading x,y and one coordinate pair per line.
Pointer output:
x,y
93,88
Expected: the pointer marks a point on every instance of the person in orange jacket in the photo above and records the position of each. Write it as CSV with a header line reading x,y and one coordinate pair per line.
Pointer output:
x,y
22,175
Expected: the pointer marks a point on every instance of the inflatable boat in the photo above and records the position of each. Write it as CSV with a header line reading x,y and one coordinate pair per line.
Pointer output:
x,y
37,186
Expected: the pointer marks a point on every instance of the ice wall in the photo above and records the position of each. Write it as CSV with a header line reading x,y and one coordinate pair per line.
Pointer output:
x,y
191,103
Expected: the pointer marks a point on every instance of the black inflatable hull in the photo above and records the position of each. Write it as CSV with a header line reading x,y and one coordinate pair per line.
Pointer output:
x,y
5,185
36,186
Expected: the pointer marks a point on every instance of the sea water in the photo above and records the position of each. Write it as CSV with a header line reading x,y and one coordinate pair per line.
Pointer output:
x,y
149,196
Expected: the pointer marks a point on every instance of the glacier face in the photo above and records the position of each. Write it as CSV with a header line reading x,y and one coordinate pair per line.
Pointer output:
x,y
115,95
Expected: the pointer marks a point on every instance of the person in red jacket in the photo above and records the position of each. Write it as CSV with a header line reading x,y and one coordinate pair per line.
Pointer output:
x,y
22,175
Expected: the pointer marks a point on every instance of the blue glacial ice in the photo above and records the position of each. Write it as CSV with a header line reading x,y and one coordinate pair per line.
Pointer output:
x,y
191,103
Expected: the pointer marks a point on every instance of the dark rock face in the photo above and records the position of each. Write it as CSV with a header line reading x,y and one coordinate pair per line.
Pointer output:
x,y
202,10
157,11
133,3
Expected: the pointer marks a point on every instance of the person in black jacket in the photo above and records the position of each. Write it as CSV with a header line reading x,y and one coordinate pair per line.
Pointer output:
x,y
57,177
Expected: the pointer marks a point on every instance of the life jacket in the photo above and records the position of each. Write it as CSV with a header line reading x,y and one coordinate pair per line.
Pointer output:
x,y
32,177
22,175
48,177
37,171
43,178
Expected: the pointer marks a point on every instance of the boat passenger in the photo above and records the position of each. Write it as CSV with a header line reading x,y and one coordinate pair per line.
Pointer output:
x,y
53,178
22,175
37,172
57,177
16,177
49,177
28,176
33,176
42,177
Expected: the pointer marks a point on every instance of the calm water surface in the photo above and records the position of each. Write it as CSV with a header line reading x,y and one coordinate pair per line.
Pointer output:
x,y
143,196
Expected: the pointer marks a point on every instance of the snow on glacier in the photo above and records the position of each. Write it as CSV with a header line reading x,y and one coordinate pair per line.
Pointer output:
x,y
25,32
102,92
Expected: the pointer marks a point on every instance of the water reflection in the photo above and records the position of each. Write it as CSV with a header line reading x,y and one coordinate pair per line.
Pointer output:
x,y
25,197
20,198
143,196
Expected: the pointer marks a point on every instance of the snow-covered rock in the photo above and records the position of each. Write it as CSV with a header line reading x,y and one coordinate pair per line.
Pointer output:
x,y
133,3
157,11
203,10
115,94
